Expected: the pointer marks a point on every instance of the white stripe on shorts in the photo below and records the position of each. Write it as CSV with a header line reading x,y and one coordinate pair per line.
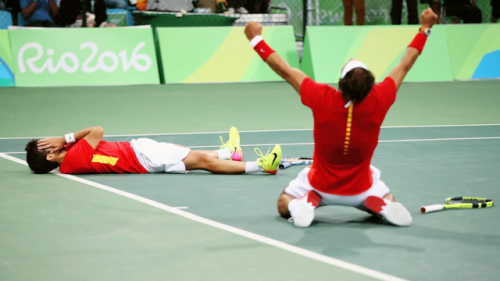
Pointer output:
x,y
300,186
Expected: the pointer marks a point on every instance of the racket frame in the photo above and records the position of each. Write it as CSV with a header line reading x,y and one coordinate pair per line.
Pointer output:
x,y
458,203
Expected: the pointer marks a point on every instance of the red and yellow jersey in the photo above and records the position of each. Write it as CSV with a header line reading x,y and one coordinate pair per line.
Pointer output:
x,y
108,157
345,138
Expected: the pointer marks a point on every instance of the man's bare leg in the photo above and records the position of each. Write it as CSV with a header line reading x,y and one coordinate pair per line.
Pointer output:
x,y
389,197
283,202
302,208
197,160
212,153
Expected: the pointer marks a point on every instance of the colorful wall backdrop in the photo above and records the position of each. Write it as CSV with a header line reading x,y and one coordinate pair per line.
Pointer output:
x,y
6,74
474,51
327,49
85,56
220,54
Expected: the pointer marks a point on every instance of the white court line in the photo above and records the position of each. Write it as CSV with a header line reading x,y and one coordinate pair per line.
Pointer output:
x,y
259,131
312,143
380,141
234,230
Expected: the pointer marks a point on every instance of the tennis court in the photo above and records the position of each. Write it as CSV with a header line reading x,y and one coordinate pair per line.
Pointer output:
x,y
439,140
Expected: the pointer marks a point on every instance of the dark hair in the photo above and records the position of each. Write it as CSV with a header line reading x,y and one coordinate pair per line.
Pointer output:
x,y
37,159
356,84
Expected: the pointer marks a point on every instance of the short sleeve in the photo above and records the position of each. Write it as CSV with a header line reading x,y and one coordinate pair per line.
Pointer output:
x,y
78,155
385,92
312,93
25,3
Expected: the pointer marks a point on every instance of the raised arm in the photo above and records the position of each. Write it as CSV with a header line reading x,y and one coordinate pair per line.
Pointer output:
x,y
293,76
27,8
93,135
398,73
52,9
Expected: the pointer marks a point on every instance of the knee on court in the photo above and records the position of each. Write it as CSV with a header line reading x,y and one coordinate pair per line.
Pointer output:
x,y
282,204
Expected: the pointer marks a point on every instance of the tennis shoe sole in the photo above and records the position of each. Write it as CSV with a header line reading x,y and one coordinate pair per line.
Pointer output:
x,y
394,212
303,214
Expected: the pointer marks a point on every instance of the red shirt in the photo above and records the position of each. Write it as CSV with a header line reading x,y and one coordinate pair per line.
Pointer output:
x,y
345,138
108,157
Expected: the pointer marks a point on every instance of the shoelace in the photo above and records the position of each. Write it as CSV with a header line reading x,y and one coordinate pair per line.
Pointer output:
x,y
222,141
259,152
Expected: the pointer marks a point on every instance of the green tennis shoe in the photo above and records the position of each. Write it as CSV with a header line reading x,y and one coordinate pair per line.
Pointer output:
x,y
271,161
233,143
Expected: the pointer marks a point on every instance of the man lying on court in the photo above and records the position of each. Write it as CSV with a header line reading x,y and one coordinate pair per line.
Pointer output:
x,y
84,152
346,129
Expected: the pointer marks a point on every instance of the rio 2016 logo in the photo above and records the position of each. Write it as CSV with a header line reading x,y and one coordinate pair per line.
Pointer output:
x,y
68,62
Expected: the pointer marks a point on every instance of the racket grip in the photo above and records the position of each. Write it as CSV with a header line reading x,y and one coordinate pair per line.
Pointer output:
x,y
285,165
431,208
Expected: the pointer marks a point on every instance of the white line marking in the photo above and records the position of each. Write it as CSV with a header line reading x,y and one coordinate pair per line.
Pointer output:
x,y
234,230
312,143
443,139
439,126
411,140
259,131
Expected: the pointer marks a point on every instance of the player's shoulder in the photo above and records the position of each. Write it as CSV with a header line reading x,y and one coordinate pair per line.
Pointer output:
x,y
310,84
386,85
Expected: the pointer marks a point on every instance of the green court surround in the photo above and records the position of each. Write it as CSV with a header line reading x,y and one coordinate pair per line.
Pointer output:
x,y
57,229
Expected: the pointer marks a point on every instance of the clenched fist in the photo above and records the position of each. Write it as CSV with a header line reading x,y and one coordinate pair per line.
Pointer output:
x,y
428,18
253,29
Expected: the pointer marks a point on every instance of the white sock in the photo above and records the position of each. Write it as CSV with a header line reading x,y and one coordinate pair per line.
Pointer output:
x,y
252,167
291,205
224,153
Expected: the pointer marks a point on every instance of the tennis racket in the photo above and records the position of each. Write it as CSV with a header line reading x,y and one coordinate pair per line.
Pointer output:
x,y
459,203
293,161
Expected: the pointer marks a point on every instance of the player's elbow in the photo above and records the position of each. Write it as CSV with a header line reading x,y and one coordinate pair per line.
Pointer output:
x,y
98,130
406,68
282,72
25,13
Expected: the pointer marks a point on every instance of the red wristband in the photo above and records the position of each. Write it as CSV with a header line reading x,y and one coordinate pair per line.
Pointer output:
x,y
263,50
418,42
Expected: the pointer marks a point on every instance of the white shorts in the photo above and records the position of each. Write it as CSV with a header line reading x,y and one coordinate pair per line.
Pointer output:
x,y
160,157
300,186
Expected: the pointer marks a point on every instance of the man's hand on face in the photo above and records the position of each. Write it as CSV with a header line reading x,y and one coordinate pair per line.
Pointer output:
x,y
52,145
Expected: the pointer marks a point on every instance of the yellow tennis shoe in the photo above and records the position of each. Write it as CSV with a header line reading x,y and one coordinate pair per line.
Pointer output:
x,y
271,161
233,143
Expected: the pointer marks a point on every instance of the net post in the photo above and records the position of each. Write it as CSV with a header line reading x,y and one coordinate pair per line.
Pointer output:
x,y
84,13
305,11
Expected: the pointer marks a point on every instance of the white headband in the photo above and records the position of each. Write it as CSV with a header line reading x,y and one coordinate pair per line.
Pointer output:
x,y
352,65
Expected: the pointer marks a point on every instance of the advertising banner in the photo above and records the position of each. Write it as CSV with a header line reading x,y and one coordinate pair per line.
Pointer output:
x,y
381,48
6,73
84,56
474,51
221,54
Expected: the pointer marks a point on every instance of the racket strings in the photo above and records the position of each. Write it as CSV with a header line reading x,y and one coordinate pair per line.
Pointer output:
x,y
467,200
464,201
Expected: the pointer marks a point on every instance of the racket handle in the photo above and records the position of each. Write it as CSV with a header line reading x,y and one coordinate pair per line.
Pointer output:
x,y
431,208
285,165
